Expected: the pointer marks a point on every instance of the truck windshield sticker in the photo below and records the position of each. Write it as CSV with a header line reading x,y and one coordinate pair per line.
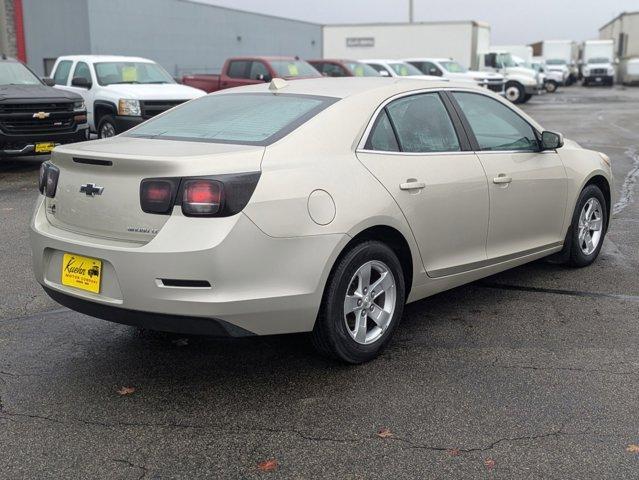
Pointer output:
x,y
293,70
129,74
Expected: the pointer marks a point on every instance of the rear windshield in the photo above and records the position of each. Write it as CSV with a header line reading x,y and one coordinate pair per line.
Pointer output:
x,y
242,118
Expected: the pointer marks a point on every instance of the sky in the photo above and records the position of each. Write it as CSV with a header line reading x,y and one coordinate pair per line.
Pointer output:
x,y
512,22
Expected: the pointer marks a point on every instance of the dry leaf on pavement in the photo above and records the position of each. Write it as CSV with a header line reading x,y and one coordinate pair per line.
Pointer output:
x,y
385,432
267,465
490,463
123,391
632,448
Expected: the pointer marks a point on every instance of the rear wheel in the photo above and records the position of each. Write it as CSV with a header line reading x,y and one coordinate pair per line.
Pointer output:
x,y
106,127
515,92
588,227
362,304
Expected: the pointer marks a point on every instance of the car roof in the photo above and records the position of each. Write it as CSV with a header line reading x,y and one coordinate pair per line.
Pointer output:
x,y
105,58
427,59
381,60
343,87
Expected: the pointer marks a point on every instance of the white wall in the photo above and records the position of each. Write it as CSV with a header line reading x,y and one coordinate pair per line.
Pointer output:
x,y
441,39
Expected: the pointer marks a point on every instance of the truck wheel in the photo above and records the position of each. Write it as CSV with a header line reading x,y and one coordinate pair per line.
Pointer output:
x,y
527,97
551,86
515,92
106,127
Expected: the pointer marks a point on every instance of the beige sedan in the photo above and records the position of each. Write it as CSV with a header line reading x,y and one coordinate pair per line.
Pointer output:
x,y
316,206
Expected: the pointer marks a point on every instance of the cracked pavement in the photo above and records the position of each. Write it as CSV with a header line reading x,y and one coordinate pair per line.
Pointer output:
x,y
535,369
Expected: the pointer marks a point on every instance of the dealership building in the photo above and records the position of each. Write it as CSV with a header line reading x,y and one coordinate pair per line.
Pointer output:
x,y
185,36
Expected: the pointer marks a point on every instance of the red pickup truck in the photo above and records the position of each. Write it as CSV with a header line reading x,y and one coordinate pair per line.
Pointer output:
x,y
239,71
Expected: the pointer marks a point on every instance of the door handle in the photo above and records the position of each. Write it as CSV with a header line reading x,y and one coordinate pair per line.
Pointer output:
x,y
502,178
412,185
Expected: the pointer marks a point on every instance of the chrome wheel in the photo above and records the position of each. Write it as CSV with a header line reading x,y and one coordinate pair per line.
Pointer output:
x,y
107,130
590,226
370,302
512,93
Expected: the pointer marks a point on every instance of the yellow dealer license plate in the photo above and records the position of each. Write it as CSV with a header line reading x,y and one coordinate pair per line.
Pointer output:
x,y
81,272
44,147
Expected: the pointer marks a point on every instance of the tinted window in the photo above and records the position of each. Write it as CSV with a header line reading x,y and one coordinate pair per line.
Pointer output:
x,y
259,71
243,118
496,126
239,69
422,124
382,137
82,71
359,69
427,68
62,72
332,70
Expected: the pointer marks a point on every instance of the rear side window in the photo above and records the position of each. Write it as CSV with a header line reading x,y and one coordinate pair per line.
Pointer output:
x,y
62,72
382,138
422,124
496,127
239,69
242,118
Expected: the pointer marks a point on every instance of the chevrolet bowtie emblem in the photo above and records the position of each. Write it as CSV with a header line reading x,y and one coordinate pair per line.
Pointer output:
x,y
91,189
41,115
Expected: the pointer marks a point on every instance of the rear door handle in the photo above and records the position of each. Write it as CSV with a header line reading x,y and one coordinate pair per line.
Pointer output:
x,y
502,178
414,185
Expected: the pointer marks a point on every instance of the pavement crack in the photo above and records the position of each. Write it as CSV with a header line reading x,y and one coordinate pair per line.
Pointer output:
x,y
559,291
143,468
566,369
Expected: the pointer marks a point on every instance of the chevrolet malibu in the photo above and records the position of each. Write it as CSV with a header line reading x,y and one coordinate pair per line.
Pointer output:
x,y
317,206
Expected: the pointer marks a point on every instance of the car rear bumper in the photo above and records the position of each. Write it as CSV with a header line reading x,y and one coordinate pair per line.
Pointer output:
x,y
257,284
24,145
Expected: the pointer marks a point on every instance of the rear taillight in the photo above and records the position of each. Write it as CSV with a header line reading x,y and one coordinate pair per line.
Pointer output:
x,y
202,197
157,195
48,179
214,196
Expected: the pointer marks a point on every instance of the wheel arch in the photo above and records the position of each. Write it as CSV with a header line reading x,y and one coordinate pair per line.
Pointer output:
x,y
603,184
101,108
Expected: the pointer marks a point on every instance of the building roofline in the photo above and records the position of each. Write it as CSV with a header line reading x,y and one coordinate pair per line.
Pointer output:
x,y
474,23
238,10
622,14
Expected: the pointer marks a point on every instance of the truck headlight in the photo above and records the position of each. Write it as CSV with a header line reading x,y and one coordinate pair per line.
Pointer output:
x,y
79,106
129,107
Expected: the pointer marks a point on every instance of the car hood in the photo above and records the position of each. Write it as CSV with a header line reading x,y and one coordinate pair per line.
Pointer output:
x,y
11,93
162,91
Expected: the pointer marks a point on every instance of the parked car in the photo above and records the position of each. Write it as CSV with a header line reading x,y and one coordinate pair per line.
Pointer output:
x,y
452,70
343,68
312,206
521,82
397,69
119,92
34,117
242,71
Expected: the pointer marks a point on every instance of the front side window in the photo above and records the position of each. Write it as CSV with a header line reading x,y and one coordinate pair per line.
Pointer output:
x,y
112,73
82,71
422,124
496,127
404,69
239,69
14,73
61,75
379,68
241,118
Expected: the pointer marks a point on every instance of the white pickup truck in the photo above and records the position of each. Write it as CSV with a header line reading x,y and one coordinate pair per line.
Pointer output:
x,y
452,70
119,92
397,68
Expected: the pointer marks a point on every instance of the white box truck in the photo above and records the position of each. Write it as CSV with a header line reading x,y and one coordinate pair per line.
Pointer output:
x,y
559,57
598,62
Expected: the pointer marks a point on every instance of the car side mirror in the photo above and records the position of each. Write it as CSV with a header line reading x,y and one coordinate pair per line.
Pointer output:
x,y
81,82
264,78
48,81
551,140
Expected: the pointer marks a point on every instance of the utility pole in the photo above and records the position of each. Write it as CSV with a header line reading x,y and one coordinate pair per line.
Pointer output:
x,y
411,11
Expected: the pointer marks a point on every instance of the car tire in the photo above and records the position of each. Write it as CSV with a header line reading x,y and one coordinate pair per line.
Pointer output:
x,y
106,127
339,332
586,226
551,86
515,92
527,97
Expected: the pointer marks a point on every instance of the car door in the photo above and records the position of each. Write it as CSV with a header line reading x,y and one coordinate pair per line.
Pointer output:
x,y
83,70
528,187
426,164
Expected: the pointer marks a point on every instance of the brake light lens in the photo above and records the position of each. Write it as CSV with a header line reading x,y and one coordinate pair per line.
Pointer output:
x,y
48,179
156,196
202,197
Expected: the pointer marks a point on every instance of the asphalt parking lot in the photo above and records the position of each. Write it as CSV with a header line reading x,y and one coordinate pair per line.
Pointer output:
x,y
532,373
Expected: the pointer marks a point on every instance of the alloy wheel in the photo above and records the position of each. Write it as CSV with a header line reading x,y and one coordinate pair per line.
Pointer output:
x,y
590,226
370,302
107,130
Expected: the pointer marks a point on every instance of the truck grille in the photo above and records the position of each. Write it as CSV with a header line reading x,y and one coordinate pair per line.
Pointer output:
x,y
151,108
598,71
18,119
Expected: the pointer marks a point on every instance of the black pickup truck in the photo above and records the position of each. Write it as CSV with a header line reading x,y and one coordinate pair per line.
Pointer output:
x,y
34,117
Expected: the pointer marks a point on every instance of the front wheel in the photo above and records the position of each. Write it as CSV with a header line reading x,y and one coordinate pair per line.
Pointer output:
x,y
106,127
551,87
588,228
362,305
515,92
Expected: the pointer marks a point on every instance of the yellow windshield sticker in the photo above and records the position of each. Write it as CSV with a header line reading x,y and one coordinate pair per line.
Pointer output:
x,y
359,71
129,74
403,71
293,70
